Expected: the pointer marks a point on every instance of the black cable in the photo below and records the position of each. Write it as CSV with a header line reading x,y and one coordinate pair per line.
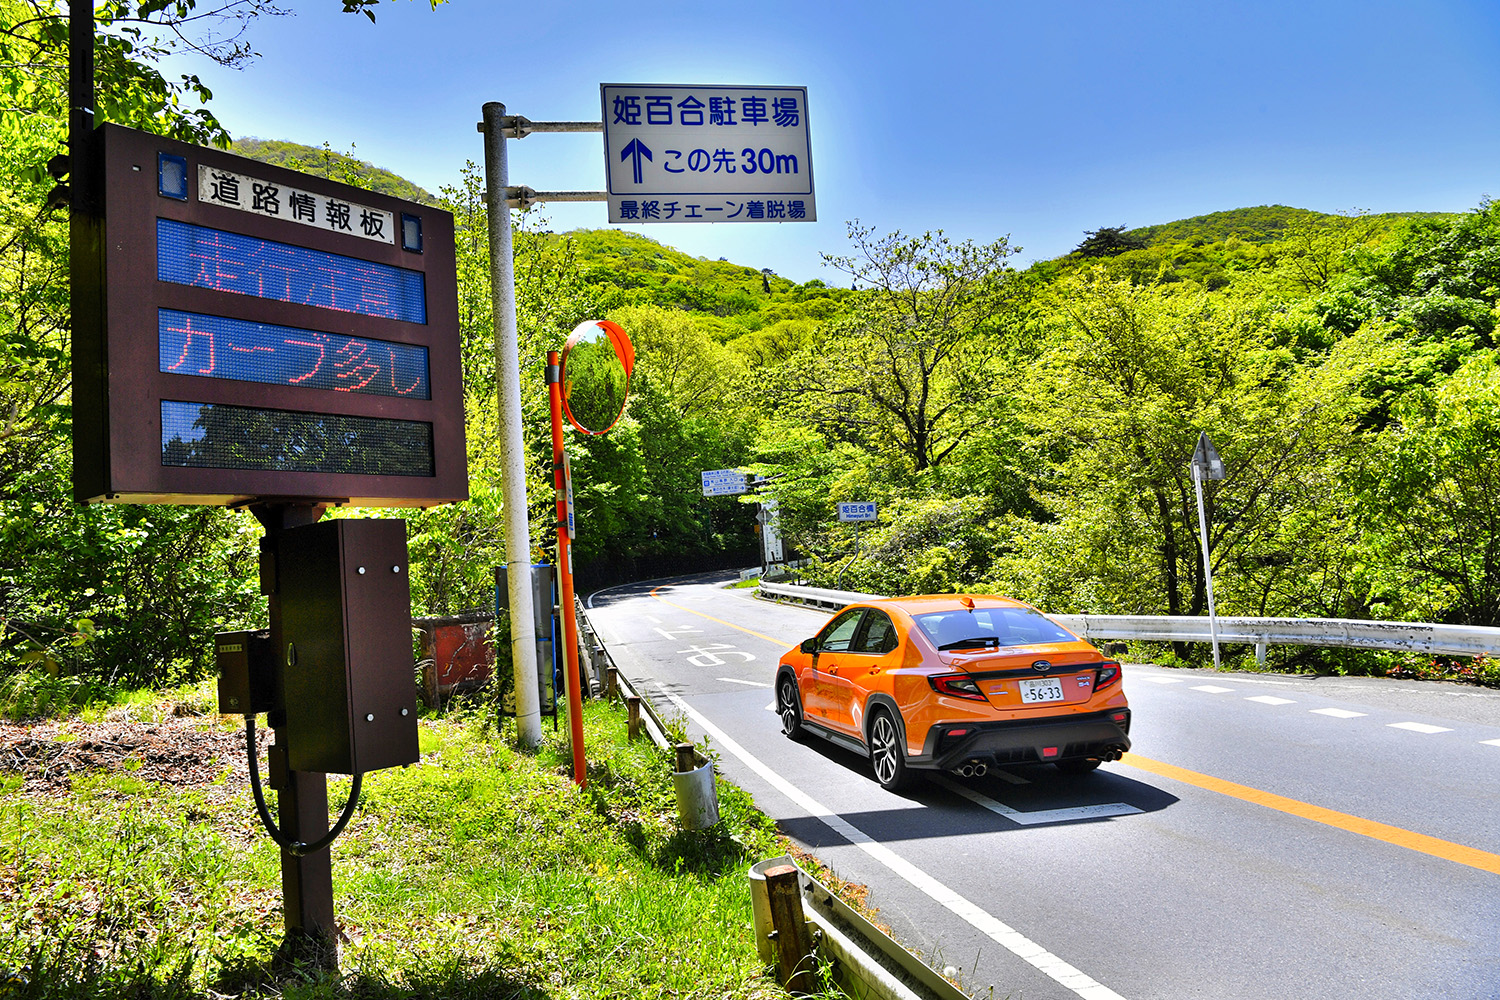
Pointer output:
x,y
294,847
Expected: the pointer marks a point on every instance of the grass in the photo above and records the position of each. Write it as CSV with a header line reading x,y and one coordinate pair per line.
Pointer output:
x,y
482,871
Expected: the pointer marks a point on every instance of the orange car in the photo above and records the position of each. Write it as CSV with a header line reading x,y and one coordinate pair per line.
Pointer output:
x,y
954,683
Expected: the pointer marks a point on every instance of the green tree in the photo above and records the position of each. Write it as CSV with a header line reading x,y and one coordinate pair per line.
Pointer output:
x,y
1129,379
1108,241
902,372
1429,500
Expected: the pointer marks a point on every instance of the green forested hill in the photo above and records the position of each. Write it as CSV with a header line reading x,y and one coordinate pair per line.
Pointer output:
x,y
1261,224
326,162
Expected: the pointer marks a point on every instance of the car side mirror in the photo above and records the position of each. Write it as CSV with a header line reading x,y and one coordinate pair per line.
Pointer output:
x,y
809,645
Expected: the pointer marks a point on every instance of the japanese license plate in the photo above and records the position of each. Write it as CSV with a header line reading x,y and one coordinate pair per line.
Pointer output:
x,y
1041,689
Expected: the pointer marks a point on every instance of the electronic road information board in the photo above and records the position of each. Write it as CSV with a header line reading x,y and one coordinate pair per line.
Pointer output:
x,y
244,332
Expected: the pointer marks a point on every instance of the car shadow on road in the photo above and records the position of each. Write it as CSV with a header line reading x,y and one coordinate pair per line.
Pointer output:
x,y
1022,797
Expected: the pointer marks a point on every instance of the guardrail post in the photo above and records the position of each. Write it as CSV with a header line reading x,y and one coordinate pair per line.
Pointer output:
x,y
1260,654
794,960
633,715
612,683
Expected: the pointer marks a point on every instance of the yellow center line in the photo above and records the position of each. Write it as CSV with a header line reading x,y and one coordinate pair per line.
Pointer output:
x,y
1448,851
738,628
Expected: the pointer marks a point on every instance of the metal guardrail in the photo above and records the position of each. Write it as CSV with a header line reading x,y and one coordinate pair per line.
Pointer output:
x,y
1416,637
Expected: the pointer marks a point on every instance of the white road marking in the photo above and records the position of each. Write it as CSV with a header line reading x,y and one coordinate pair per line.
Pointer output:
x,y
1419,727
1038,816
731,680
769,708
1211,689
1160,680
1004,775
999,932
1490,743
677,632
1339,713
1266,699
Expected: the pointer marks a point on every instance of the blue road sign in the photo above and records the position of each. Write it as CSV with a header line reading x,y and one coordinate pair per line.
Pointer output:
x,y
707,153
724,482
863,510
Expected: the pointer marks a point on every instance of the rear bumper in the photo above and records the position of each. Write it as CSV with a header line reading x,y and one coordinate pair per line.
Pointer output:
x,y
1078,737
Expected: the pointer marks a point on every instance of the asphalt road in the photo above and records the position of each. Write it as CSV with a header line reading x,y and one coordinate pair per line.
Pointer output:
x,y
1266,837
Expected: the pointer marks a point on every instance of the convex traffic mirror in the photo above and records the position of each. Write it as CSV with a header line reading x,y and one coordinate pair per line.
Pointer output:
x,y
596,364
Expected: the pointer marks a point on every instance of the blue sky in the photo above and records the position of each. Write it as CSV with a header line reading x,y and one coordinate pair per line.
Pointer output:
x,y
1036,121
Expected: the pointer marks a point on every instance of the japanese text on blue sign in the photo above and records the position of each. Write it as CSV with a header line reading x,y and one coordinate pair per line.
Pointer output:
x,y
707,153
861,511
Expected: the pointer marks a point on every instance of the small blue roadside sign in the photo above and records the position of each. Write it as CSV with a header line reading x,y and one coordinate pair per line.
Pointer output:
x,y
863,510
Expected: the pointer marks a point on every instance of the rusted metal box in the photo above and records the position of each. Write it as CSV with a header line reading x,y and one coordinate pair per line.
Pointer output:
x,y
247,673
350,690
457,654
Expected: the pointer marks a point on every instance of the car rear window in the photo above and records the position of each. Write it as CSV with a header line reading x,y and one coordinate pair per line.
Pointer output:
x,y
991,627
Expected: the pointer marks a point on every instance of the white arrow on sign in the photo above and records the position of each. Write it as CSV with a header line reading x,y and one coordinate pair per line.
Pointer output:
x,y
707,153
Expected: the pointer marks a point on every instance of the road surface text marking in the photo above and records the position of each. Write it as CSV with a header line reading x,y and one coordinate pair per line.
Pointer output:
x,y
1447,850
999,932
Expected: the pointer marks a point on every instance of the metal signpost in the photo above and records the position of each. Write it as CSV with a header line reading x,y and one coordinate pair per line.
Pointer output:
x,y
745,158
706,153
1206,465
855,513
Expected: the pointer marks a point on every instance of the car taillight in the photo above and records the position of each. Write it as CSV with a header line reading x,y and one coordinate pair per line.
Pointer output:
x,y
1107,675
956,686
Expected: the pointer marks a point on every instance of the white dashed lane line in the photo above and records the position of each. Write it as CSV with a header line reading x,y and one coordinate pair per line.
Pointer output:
x,y
1333,713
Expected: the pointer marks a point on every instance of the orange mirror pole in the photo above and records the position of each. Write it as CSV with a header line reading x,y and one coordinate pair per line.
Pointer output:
x,y
564,488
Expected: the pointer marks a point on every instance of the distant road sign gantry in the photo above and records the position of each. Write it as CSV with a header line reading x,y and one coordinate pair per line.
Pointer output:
x,y
707,153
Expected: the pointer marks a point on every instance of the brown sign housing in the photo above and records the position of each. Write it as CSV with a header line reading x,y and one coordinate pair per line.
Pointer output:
x,y
247,333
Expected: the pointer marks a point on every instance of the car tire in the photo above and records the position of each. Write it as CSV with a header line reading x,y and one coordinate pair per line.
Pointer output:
x,y
1077,765
887,755
789,707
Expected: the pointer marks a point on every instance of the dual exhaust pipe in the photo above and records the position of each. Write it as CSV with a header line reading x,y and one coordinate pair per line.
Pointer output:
x,y
977,768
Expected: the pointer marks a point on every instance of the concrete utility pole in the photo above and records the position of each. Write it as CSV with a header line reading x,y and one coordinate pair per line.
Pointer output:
x,y
512,444
499,196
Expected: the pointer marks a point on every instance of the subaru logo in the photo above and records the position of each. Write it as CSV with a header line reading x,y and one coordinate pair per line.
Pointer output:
x,y
1041,665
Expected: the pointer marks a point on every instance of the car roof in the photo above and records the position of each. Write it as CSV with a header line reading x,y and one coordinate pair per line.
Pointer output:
x,y
922,604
